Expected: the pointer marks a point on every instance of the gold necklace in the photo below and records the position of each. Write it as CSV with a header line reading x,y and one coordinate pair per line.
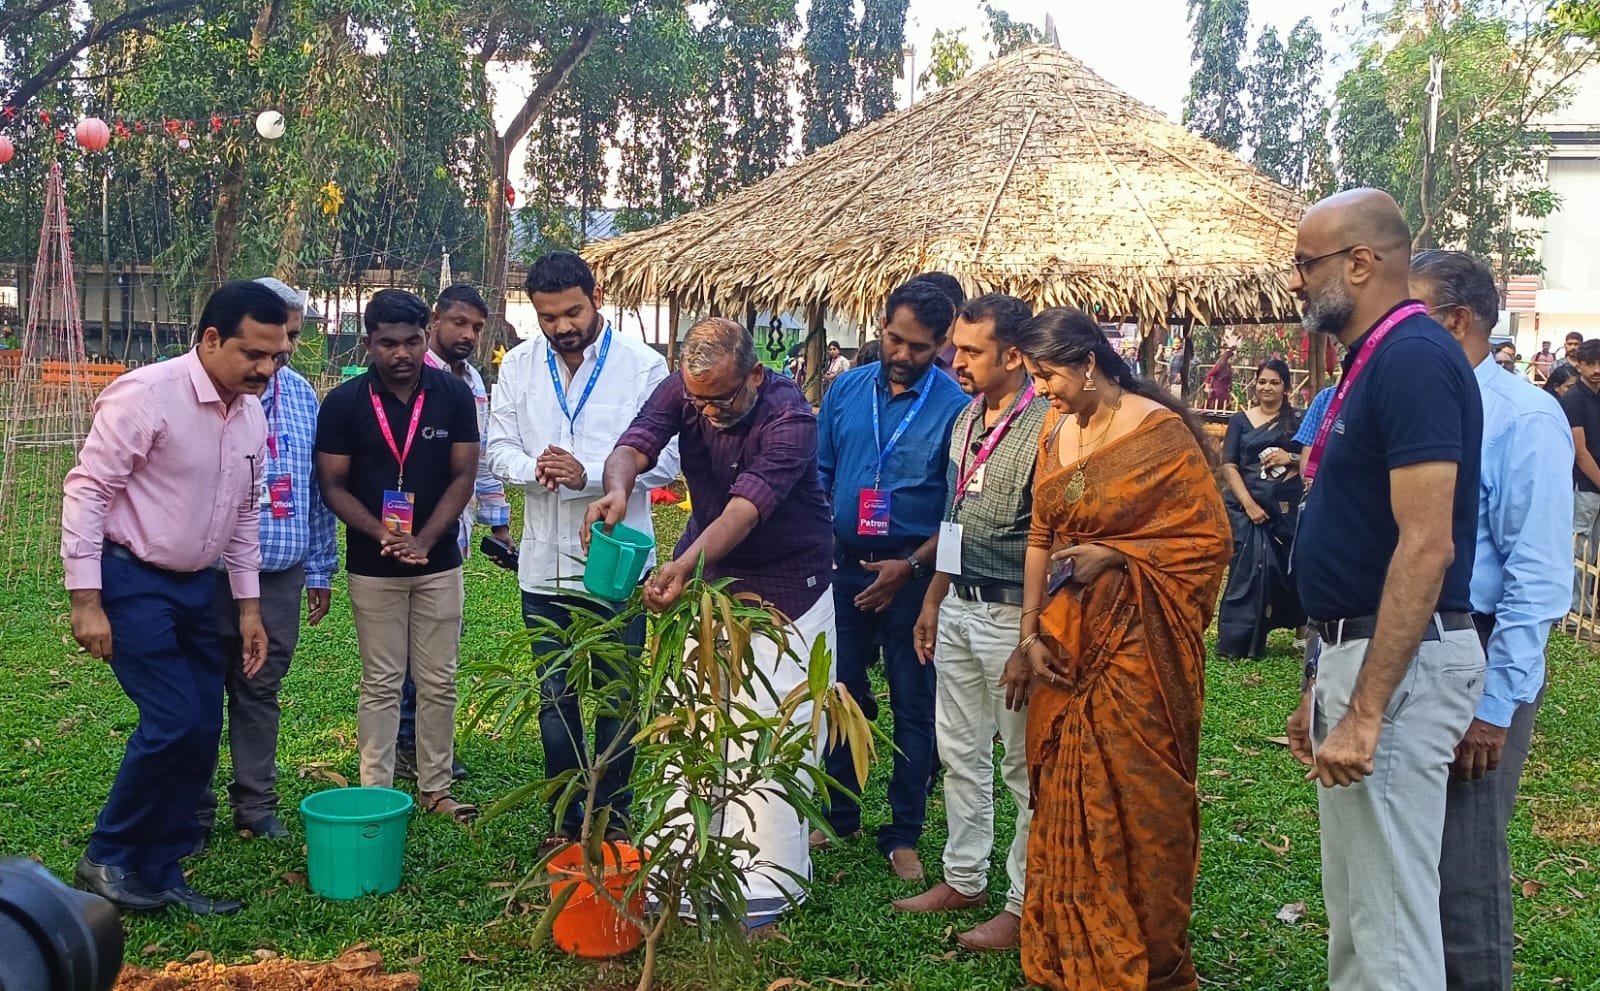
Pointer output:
x,y
1078,483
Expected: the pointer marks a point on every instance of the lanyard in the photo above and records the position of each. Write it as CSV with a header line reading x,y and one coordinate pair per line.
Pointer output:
x,y
966,474
905,421
594,376
411,432
1314,458
272,433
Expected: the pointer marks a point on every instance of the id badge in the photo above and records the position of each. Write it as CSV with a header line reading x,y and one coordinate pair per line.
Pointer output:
x,y
398,510
873,518
948,559
281,492
975,484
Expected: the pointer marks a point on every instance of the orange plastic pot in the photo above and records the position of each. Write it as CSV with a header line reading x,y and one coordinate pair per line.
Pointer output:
x,y
588,925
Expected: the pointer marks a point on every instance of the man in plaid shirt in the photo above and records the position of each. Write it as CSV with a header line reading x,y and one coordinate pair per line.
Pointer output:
x,y
299,549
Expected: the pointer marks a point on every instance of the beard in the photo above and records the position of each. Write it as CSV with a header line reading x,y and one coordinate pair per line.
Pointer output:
x,y
575,342
904,373
1330,311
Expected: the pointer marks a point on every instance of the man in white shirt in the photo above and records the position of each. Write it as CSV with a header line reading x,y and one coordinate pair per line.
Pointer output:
x,y
561,402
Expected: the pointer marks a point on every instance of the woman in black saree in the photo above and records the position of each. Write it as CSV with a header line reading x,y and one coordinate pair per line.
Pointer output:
x,y
1263,505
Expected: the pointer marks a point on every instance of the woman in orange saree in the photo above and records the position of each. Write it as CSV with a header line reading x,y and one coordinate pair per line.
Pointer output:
x,y
1111,664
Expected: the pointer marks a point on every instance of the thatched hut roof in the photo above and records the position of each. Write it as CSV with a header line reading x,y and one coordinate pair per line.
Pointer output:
x,y
1032,176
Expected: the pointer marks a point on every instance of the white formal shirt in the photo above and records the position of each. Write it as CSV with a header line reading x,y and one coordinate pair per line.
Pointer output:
x,y
525,417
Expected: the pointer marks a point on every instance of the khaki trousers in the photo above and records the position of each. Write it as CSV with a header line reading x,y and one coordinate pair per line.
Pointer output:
x,y
401,620
975,639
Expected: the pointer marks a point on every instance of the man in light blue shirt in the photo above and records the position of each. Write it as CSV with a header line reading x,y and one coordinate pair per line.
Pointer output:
x,y
299,549
1521,584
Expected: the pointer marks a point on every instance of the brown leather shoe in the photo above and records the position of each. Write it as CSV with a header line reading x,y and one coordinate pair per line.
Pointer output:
x,y
819,839
1000,933
939,898
906,864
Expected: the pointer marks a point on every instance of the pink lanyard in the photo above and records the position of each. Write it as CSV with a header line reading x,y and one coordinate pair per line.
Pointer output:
x,y
272,433
999,431
1405,311
411,432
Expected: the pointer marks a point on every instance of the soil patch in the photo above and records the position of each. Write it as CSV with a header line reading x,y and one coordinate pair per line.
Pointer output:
x,y
354,970
1568,826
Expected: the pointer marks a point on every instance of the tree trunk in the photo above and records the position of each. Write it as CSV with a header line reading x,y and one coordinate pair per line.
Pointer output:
x,y
497,232
816,352
672,333
230,195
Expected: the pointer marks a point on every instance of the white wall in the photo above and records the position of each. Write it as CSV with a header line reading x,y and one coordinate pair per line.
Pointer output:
x,y
1571,251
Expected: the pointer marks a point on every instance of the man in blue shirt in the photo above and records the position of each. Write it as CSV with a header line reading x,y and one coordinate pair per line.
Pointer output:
x,y
1521,583
882,451
1383,562
299,549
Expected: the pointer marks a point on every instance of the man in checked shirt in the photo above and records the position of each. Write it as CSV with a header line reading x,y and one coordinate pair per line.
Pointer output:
x,y
299,549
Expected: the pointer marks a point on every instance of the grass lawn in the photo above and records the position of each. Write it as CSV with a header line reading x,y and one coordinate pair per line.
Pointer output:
x,y
65,722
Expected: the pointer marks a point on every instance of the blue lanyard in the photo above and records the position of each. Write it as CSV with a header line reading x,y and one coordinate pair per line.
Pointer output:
x,y
894,438
594,376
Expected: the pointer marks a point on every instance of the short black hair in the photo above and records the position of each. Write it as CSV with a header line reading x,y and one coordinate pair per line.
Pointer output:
x,y
233,301
928,304
395,306
947,283
559,271
461,293
1460,279
1007,312
1589,351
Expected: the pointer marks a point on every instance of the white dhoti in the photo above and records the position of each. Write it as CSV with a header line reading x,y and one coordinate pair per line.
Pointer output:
x,y
783,853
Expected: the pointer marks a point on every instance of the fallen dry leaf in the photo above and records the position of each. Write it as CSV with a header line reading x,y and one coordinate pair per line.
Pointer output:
x,y
471,957
152,949
1275,848
265,954
942,957
1282,741
1531,887
294,877
193,928
841,982
354,960
1217,772
787,982
1292,912
200,956
1253,680
415,961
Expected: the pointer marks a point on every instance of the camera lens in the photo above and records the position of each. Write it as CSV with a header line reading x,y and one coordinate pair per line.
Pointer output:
x,y
53,938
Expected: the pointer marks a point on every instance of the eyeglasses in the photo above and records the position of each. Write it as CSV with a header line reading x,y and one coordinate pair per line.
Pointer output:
x,y
716,402
1303,265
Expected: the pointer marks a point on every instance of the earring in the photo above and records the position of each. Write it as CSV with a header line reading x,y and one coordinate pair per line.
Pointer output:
x,y
1088,382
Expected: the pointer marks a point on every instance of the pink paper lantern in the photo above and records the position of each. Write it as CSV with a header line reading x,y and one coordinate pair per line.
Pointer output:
x,y
93,134
7,149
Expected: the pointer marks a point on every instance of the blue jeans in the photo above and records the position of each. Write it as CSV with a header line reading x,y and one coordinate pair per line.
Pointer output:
x,y
406,736
561,717
911,699
168,658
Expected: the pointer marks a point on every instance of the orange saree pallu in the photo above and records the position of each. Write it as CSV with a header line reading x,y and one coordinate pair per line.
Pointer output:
x,y
1113,745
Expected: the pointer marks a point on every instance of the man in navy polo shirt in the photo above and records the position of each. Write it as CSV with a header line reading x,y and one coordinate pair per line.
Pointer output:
x,y
883,440
1383,561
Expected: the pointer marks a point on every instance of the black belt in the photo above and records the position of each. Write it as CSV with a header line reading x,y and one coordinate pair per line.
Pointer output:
x,y
1337,631
894,552
117,550
1006,595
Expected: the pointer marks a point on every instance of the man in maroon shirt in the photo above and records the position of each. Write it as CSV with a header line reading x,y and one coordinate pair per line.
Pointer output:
x,y
748,440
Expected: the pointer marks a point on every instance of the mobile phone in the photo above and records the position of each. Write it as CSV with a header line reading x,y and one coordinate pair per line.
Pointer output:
x,y
1060,574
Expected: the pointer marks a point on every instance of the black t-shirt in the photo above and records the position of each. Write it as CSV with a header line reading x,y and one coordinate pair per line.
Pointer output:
x,y
347,425
1416,401
1582,407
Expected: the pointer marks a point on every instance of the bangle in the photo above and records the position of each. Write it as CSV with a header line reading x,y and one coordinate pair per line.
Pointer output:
x,y
1030,612
1027,641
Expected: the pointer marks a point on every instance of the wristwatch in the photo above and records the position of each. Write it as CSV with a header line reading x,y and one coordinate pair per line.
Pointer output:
x,y
918,569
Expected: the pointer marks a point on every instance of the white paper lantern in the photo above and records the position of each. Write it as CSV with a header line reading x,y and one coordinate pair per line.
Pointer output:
x,y
269,124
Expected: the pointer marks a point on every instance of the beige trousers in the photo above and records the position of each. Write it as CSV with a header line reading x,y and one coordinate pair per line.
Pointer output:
x,y
400,621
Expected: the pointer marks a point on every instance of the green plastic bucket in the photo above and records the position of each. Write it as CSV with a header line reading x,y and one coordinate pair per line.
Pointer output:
x,y
355,840
616,560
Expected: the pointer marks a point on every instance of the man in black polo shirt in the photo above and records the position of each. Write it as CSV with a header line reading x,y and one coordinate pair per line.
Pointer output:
x,y
1582,406
397,456
1383,561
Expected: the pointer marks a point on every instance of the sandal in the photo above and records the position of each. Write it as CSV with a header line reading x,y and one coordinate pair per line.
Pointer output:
x,y
443,803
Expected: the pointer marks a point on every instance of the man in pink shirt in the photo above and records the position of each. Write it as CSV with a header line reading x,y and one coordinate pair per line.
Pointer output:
x,y
168,481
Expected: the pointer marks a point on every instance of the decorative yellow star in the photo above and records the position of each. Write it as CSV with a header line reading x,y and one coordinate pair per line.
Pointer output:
x,y
499,352
332,198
